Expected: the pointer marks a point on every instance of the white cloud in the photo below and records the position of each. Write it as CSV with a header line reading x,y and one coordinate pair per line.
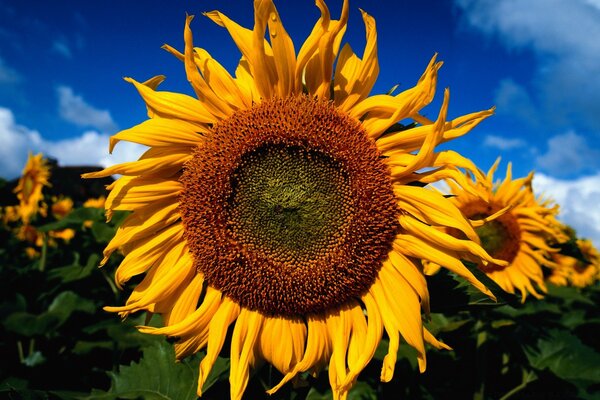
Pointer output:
x,y
503,143
61,47
578,200
75,109
91,148
568,154
564,36
8,74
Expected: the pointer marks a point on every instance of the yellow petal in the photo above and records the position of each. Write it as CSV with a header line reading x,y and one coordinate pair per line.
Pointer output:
x,y
161,132
243,349
173,105
354,78
227,313
284,53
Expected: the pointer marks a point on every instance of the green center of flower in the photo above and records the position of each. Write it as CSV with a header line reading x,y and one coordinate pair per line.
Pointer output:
x,y
493,236
289,202
500,237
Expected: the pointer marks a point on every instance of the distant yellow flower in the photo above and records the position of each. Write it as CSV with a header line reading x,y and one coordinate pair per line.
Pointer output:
x,y
512,225
10,214
282,201
31,252
61,208
95,203
574,272
64,234
28,233
29,188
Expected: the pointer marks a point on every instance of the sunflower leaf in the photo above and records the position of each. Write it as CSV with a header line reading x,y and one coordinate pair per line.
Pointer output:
x,y
156,376
478,298
65,304
566,357
74,220
75,271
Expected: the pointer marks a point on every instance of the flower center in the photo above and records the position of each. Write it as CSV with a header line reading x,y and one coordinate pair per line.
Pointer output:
x,y
290,203
288,208
500,237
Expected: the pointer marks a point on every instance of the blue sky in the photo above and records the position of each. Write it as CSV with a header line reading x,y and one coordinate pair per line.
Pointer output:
x,y
62,64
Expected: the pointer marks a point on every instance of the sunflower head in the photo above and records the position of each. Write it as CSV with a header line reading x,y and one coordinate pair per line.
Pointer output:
x,y
35,176
512,225
580,271
61,207
286,201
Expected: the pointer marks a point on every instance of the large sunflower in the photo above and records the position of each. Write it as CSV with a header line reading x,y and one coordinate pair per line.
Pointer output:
x,y
569,270
35,176
287,202
512,224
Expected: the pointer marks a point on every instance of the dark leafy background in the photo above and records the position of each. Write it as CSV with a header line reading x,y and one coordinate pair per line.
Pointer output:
x,y
56,342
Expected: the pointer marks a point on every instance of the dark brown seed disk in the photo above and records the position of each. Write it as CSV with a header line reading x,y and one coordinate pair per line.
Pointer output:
x,y
288,208
501,237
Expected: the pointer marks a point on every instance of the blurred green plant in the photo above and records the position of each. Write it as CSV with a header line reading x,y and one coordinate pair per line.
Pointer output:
x,y
56,342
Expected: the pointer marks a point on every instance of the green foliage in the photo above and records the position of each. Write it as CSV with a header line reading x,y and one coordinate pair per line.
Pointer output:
x,y
566,357
51,319
155,376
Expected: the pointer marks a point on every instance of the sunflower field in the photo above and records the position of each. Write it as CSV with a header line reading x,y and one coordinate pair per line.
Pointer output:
x,y
289,235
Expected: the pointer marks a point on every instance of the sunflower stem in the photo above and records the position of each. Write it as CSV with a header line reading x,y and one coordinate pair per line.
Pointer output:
x,y
528,377
42,265
20,351
481,359
110,282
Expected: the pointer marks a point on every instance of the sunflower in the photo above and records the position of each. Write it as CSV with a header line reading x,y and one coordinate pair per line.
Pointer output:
x,y
10,214
512,225
29,188
61,207
576,272
286,204
96,202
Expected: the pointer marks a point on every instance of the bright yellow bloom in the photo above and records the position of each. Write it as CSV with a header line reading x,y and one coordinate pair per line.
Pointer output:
x,y
571,271
10,214
282,201
64,234
28,233
61,208
29,188
32,253
512,225
95,203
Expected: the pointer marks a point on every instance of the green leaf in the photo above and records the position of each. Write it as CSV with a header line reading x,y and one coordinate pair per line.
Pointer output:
x,y
566,357
569,294
362,391
17,304
314,394
440,323
478,298
219,372
68,302
156,376
103,233
74,220
28,325
58,313
83,347
75,271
